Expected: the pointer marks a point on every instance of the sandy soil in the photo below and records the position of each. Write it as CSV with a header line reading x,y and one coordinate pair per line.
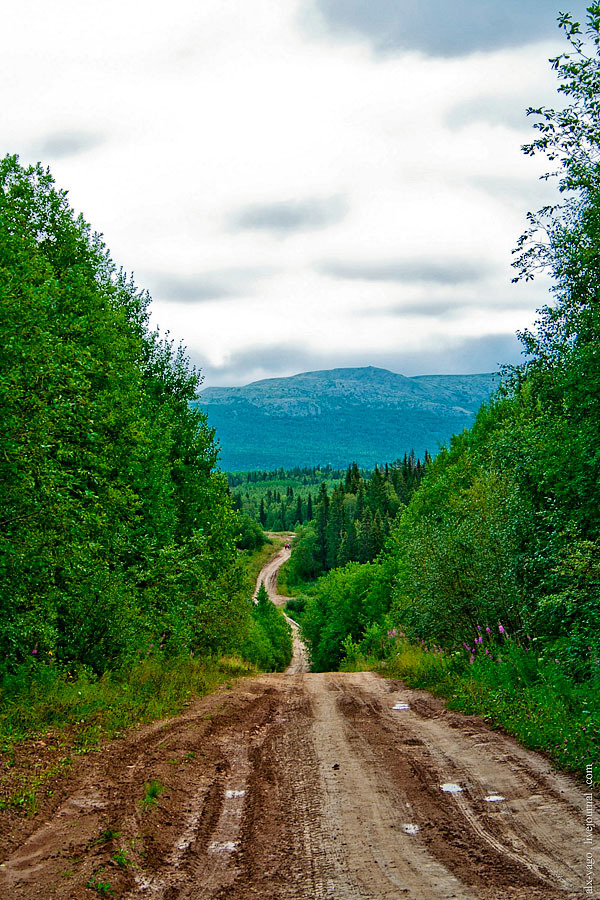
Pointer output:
x,y
304,786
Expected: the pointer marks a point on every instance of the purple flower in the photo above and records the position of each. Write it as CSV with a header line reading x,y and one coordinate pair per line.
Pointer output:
x,y
480,640
488,629
479,628
501,629
34,652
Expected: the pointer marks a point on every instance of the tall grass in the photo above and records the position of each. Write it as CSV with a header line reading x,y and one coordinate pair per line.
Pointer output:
x,y
526,693
34,700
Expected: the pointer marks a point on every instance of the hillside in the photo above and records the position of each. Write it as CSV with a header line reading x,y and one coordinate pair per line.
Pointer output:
x,y
336,416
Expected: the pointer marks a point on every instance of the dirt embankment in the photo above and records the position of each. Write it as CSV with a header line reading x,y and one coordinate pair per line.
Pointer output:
x,y
303,786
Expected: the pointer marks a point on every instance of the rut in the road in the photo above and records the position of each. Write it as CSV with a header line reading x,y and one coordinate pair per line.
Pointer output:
x,y
306,787
311,786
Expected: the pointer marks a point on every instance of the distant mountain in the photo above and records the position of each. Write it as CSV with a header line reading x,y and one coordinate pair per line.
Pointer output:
x,y
368,415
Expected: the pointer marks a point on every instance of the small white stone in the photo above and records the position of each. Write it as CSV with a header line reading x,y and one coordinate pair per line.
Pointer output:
x,y
494,798
401,706
231,794
410,829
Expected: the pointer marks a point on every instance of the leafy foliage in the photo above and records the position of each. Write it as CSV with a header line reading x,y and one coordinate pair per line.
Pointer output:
x,y
117,532
269,643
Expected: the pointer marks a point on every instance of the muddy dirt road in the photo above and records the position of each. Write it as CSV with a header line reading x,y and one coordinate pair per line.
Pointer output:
x,y
304,786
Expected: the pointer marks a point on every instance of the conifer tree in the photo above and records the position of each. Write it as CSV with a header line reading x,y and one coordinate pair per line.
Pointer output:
x,y
322,519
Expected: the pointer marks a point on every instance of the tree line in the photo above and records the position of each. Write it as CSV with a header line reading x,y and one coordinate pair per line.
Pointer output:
x,y
280,499
118,536
353,521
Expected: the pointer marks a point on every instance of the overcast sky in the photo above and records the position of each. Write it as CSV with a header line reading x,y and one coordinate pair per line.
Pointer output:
x,y
299,184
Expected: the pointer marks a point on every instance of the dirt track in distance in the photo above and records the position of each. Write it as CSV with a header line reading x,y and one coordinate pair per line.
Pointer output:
x,y
303,786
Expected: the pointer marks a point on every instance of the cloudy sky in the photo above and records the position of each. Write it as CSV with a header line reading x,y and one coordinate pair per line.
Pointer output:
x,y
300,184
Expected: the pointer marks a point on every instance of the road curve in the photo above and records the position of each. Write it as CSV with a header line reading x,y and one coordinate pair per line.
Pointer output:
x,y
268,577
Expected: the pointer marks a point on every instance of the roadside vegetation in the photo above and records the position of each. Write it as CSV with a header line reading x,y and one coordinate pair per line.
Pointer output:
x,y
503,533
125,587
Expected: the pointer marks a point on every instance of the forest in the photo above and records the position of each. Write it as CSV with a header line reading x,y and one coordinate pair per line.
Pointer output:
x,y
118,539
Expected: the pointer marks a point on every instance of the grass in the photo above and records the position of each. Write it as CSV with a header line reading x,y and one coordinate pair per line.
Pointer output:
x,y
152,792
75,715
530,697
101,708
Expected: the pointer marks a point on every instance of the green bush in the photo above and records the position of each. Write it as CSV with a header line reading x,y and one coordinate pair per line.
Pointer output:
x,y
269,641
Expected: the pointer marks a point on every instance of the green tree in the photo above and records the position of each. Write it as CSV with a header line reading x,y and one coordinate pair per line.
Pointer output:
x,y
117,530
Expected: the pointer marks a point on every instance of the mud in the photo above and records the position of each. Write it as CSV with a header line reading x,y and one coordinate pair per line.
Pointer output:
x,y
305,787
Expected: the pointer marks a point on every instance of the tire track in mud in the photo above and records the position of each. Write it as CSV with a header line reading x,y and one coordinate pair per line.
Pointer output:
x,y
311,786
504,843
307,787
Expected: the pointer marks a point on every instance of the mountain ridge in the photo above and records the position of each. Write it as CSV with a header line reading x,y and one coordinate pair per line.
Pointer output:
x,y
335,416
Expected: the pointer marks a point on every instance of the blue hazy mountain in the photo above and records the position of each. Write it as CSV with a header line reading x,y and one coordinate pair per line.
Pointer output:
x,y
369,415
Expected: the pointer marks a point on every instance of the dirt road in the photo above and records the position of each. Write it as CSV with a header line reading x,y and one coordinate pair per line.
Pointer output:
x,y
304,786
268,577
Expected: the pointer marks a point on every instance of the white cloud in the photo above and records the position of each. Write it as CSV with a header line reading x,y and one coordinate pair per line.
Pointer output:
x,y
167,122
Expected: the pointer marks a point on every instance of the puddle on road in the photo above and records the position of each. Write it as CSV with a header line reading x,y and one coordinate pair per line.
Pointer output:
x,y
223,846
494,798
450,788
401,706
410,829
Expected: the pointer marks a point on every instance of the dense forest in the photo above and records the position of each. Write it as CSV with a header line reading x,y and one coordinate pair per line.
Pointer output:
x,y
280,499
352,522
496,559
118,535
